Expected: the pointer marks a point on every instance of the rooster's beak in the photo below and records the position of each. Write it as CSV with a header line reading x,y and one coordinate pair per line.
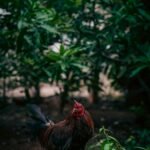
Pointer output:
x,y
74,110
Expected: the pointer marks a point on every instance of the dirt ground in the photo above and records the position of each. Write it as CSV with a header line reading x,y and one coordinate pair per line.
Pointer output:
x,y
15,133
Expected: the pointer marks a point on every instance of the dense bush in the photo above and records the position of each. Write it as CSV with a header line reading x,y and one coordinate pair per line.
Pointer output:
x,y
26,30
112,36
127,35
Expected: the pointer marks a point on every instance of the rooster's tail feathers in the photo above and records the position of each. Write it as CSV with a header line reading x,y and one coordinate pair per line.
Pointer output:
x,y
36,113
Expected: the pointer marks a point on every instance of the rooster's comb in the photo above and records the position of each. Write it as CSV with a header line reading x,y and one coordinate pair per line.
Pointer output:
x,y
77,104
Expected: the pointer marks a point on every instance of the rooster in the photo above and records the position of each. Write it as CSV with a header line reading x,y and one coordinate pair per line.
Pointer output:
x,y
70,134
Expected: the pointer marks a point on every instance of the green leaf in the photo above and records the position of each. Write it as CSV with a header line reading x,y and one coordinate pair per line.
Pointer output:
x,y
49,28
54,56
47,72
106,145
28,40
62,50
144,14
21,24
136,71
78,65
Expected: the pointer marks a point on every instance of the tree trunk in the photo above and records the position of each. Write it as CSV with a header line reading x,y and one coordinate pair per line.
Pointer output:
x,y
38,96
4,89
95,87
139,90
28,98
64,97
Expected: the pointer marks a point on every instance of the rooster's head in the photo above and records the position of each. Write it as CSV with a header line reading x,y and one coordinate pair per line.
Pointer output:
x,y
78,110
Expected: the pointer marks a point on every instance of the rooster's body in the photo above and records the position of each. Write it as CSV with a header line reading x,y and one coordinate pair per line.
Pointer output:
x,y
69,134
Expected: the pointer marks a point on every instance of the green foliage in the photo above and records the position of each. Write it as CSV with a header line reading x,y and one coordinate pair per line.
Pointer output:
x,y
65,66
141,140
104,141
26,29
113,36
129,37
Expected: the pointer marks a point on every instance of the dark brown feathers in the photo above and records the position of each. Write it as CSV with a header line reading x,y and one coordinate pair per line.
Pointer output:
x,y
69,134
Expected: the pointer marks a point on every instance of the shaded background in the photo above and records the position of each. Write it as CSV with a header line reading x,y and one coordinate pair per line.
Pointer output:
x,y
95,51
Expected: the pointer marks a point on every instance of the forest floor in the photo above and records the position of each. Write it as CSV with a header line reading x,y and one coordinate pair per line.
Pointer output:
x,y
15,133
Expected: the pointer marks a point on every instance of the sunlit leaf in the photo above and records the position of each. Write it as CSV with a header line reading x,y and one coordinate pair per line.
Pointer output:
x,y
49,28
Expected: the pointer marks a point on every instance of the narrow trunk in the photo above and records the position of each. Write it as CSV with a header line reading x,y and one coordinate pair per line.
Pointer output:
x,y
95,87
37,97
64,98
139,90
27,94
4,89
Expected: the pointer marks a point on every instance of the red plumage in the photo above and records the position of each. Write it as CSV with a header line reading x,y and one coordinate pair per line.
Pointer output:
x,y
69,134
